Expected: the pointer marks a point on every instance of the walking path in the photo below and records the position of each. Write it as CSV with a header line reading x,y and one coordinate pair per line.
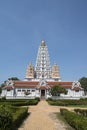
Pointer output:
x,y
42,117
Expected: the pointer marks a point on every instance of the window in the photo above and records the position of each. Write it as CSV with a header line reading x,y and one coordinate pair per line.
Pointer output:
x,y
23,90
28,90
33,90
19,90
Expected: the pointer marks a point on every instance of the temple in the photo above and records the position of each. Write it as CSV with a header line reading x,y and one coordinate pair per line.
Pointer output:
x,y
42,68
40,79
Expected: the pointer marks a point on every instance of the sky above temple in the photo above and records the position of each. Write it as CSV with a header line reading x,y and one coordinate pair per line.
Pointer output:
x,y
61,23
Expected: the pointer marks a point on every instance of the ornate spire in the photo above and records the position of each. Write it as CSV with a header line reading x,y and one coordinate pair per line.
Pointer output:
x,y
55,72
30,71
43,62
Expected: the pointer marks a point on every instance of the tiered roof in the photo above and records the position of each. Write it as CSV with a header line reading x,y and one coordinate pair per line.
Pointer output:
x,y
34,84
25,84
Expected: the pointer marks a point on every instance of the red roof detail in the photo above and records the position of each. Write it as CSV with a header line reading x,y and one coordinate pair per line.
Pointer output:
x,y
66,85
61,83
26,82
25,86
77,88
8,87
42,87
34,84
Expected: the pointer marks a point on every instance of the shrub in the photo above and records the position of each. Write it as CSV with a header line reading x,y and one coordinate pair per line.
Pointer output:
x,y
49,99
76,121
25,103
19,116
11,117
67,102
81,112
20,102
6,119
37,98
3,98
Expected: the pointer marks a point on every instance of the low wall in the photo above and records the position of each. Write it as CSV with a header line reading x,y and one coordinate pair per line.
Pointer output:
x,y
20,97
56,97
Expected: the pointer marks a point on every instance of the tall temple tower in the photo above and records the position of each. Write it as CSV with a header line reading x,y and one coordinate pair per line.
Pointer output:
x,y
42,68
30,72
55,72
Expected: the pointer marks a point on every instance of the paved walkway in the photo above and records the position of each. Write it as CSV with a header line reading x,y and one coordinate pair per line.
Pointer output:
x,y
42,117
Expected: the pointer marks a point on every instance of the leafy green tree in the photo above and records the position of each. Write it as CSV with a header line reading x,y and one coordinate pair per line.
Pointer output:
x,y
83,82
27,93
3,84
56,90
13,78
0,90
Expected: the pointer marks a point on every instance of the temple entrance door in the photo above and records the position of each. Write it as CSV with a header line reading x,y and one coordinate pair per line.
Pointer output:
x,y
43,93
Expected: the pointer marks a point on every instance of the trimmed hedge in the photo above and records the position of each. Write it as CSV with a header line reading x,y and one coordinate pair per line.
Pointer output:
x,y
20,102
6,119
25,103
81,112
11,117
76,121
19,116
67,102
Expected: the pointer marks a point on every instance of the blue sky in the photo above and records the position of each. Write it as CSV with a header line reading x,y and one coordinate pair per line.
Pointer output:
x,y
61,23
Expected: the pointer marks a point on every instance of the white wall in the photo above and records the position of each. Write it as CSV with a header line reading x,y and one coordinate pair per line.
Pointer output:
x,y
7,93
37,93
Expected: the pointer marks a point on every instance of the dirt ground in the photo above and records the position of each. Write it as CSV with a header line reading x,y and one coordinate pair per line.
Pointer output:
x,y
42,117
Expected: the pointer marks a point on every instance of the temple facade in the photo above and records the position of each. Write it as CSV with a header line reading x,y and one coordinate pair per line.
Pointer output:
x,y
40,79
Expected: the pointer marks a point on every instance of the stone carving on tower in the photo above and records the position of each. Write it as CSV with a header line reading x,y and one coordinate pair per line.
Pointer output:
x,y
30,71
55,72
42,67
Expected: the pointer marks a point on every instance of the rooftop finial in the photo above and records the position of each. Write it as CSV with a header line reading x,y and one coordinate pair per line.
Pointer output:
x,y
43,43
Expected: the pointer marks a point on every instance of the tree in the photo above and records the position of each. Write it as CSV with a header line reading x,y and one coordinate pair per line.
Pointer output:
x,y
13,78
56,90
83,82
3,85
0,90
27,93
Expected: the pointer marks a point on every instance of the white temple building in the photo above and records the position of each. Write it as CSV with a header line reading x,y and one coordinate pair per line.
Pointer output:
x,y
39,80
